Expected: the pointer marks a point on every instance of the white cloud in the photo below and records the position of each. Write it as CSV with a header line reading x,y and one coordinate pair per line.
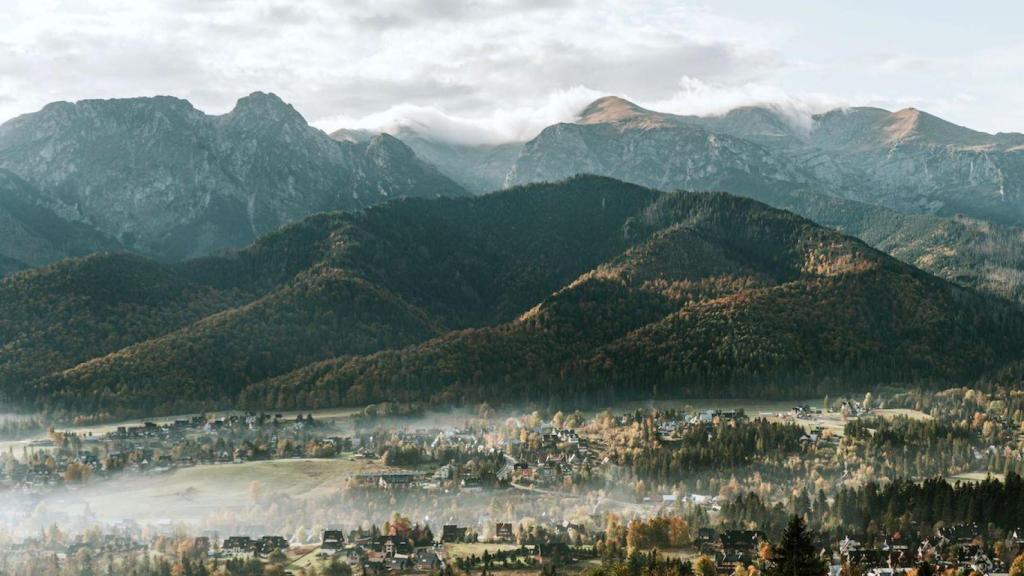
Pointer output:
x,y
501,125
503,66
703,99
491,70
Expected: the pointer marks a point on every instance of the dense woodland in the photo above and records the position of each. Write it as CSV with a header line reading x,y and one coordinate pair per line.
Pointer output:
x,y
873,511
588,289
720,449
978,254
900,503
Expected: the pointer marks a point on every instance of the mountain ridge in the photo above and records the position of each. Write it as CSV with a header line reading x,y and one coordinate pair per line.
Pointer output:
x,y
167,180
591,283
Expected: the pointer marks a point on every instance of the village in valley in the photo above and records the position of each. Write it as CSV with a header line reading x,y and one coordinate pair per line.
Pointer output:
x,y
397,489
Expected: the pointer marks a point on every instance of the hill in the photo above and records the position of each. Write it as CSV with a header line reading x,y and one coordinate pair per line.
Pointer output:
x,y
724,297
567,289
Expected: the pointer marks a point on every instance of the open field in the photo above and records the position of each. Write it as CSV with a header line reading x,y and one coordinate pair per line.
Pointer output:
x,y
465,550
835,422
897,412
680,553
305,558
973,477
189,494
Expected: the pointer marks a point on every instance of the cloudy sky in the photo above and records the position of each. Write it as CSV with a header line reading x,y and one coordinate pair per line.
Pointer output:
x,y
499,70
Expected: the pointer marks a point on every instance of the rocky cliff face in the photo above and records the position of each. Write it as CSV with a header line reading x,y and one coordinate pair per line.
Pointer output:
x,y
656,150
909,161
914,162
167,180
31,235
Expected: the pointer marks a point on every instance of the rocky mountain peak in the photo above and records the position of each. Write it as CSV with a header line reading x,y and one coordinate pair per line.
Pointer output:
x,y
911,123
168,180
264,108
615,110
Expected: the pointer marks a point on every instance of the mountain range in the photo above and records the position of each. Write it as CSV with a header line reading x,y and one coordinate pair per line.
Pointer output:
x,y
159,259
157,177
908,161
584,287
942,197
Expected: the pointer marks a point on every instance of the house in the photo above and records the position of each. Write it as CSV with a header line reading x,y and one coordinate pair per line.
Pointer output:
x,y
356,555
741,540
961,533
332,540
506,471
398,563
867,558
444,473
503,532
392,546
452,533
727,560
707,536
548,473
426,560
269,544
239,545
396,481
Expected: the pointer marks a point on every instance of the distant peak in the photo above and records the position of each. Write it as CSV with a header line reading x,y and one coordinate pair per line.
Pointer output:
x,y
261,99
911,123
353,135
267,105
612,109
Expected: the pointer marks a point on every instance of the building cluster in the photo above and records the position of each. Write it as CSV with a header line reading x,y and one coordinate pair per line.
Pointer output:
x,y
155,448
730,548
960,548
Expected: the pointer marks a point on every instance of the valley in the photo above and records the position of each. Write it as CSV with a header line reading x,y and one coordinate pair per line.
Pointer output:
x,y
511,288
483,470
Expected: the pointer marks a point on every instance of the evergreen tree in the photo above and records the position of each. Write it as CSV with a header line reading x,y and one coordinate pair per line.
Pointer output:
x,y
794,555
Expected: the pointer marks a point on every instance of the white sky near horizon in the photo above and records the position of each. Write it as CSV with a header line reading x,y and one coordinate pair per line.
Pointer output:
x,y
490,71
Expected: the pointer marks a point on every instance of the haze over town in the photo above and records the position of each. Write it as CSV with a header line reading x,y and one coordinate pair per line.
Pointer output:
x,y
516,287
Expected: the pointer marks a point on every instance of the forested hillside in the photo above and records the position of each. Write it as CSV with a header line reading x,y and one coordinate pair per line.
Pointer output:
x,y
549,290
726,297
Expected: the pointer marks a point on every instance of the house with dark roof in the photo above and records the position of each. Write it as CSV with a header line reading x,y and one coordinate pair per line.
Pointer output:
x,y
503,532
239,545
332,540
741,540
452,533
270,544
426,560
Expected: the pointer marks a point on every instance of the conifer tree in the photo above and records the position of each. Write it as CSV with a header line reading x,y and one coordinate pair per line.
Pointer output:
x,y
794,555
